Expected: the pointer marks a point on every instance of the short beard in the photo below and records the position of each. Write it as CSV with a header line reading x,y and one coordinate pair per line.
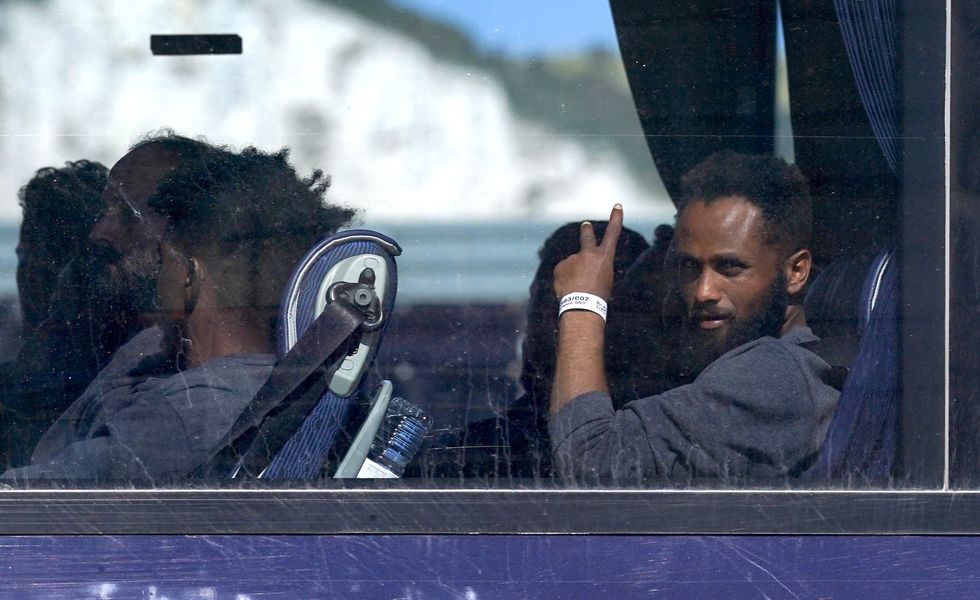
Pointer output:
x,y
695,353
125,286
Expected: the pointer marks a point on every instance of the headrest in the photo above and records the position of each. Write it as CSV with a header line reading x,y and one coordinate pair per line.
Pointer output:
x,y
833,305
343,258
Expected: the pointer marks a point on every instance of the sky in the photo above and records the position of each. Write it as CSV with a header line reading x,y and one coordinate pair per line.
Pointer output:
x,y
526,27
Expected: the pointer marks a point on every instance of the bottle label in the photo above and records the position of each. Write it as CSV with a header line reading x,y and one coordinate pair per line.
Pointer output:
x,y
372,470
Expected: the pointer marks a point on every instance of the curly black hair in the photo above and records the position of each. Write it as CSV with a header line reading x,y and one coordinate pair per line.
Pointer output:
x,y
60,206
250,211
541,341
63,203
779,189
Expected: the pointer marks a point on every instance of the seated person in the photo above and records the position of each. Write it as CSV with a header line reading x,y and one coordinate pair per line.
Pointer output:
x,y
105,284
639,355
759,405
515,444
236,223
59,354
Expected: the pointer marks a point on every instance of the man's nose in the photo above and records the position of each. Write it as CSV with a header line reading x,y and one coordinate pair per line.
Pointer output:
x,y
106,230
706,289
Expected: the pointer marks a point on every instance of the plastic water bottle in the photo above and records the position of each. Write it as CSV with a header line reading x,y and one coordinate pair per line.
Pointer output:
x,y
397,441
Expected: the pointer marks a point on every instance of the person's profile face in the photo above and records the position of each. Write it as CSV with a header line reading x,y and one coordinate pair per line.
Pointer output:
x,y
128,226
126,238
729,278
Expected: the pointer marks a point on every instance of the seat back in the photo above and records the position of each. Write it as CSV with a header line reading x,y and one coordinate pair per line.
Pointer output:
x,y
341,258
332,316
833,308
862,442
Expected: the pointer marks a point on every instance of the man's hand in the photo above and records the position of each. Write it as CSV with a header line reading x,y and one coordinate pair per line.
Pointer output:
x,y
591,270
579,365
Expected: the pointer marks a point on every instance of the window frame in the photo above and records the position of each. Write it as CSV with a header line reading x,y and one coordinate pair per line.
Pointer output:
x,y
432,512
400,508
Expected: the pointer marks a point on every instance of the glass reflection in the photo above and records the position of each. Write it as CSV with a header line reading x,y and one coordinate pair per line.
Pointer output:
x,y
150,350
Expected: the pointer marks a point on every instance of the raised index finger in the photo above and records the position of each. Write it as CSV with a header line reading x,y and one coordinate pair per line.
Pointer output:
x,y
613,229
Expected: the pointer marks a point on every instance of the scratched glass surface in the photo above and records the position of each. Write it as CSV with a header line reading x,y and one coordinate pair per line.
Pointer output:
x,y
152,316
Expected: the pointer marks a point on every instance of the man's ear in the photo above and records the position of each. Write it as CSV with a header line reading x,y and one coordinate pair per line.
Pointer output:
x,y
797,271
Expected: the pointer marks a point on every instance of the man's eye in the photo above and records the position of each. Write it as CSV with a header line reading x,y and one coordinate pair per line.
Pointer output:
x,y
687,268
731,269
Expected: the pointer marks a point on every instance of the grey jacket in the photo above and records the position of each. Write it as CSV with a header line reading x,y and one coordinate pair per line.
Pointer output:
x,y
758,413
134,423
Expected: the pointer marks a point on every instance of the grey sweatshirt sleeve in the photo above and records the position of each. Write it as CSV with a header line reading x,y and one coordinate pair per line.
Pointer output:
x,y
154,431
758,412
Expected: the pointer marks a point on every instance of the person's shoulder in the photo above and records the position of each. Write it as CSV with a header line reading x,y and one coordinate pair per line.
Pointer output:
x,y
767,371
803,344
771,355
146,343
799,336
236,375
796,341
752,351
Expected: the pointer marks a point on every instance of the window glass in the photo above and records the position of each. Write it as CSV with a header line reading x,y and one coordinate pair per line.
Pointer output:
x,y
185,318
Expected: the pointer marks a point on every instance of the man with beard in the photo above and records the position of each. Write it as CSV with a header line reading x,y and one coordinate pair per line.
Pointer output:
x,y
233,224
98,299
126,238
758,406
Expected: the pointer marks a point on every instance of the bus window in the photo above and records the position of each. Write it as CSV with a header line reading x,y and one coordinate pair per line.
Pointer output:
x,y
327,239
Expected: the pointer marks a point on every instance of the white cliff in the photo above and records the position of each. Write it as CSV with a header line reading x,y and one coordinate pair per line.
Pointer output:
x,y
405,136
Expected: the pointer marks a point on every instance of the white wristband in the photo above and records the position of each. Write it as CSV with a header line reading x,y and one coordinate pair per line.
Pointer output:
x,y
583,301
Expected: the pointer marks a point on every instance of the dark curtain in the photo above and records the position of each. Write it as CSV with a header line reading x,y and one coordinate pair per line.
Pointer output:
x,y
702,76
